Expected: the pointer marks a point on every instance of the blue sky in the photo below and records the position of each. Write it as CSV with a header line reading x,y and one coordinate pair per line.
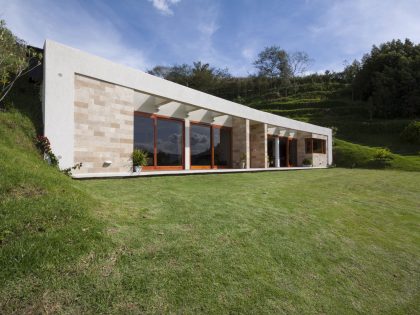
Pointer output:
x,y
225,33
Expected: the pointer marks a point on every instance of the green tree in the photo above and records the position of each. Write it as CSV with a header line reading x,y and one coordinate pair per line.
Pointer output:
x,y
390,77
16,59
273,62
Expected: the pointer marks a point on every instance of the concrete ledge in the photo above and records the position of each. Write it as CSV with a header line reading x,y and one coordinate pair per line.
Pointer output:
x,y
187,172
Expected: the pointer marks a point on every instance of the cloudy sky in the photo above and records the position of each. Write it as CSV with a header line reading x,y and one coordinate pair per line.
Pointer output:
x,y
225,33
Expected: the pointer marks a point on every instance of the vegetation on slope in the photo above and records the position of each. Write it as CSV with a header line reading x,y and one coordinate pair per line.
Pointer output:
x,y
46,223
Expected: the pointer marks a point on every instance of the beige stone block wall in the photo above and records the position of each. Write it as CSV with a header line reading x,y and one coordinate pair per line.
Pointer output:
x,y
258,145
318,159
240,141
103,121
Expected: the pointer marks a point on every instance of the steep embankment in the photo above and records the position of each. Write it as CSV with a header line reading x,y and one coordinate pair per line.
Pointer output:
x,y
46,223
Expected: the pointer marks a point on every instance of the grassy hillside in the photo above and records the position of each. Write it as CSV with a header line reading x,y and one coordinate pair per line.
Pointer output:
x,y
357,133
46,222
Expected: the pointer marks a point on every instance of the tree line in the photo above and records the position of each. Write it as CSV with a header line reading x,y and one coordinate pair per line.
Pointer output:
x,y
387,78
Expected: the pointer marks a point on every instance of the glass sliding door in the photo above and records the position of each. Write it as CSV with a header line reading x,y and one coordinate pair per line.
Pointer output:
x,y
169,142
222,144
144,136
162,138
200,146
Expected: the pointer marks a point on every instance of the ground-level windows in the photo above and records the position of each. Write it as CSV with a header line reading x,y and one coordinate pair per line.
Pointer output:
x,y
313,145
222,138
210,146
169,142
200,145
144,136
162,138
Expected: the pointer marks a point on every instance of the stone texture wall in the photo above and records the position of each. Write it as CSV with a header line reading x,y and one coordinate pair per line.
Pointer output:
x,y
258,145
318,159
240,141
103,124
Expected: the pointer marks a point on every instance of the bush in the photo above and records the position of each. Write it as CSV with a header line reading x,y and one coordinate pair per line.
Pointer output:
x,y
382,157
140,157
411,133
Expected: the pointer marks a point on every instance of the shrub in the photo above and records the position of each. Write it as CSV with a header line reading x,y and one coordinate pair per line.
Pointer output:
x,y
307,161
43,144
140,157
411,133
382,157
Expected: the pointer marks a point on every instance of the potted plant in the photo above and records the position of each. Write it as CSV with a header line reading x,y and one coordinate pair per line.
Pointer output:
x,y
307,162
243,160
140,158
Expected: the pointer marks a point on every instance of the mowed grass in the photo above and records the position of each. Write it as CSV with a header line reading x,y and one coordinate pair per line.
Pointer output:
x,y
322,241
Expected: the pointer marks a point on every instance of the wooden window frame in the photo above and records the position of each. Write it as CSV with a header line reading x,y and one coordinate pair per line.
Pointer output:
x,y
310,142
212,164
155,118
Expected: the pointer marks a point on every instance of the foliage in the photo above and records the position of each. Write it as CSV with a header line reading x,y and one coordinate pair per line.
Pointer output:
x,y
307,161
200,76
389,78
16,59
273,62
411,133
43,144
68,171
140,157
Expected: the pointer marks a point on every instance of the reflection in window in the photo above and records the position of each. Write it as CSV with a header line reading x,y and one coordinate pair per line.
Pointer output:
x,y
144,135
200,145
169,142
222,145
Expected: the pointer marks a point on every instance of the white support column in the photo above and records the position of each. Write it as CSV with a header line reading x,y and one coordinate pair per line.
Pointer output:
x,y
276,152
187,151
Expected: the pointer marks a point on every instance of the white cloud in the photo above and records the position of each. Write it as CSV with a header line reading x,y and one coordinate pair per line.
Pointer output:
x,y
73,25
351,27
164,6
209,28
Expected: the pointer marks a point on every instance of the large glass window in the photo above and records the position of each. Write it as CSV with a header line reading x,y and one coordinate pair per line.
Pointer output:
x,y
161,138
222,146
144,135
169,142
200,145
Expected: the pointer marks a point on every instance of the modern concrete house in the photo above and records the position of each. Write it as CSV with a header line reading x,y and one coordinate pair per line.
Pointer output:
x,y
97,112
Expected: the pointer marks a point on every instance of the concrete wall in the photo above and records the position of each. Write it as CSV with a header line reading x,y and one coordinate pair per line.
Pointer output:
x,y
240,142
258,145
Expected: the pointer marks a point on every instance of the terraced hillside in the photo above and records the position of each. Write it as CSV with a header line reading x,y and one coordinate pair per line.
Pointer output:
x,y
356,132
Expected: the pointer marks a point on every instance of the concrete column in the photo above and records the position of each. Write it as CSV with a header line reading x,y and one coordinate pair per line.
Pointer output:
x,y
240,142
276,152
187,152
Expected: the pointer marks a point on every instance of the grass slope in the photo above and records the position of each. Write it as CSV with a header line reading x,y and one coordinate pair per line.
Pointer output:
x,y
46,224
358,134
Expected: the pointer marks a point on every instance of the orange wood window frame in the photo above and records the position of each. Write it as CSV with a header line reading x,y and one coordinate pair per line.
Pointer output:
x,y
212,165
163,167
309,143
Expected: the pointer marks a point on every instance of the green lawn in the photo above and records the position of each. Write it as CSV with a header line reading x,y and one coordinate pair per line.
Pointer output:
x,y
322,241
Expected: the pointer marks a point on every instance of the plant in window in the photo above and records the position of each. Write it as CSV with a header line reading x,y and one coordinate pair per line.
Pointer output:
x,y
307,162
140,158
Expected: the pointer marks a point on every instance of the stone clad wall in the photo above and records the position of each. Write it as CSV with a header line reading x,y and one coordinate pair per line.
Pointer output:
x,y
318,159
240,141
258,145
103,124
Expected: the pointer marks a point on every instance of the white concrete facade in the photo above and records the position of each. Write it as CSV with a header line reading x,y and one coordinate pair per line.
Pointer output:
x,y
62,64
